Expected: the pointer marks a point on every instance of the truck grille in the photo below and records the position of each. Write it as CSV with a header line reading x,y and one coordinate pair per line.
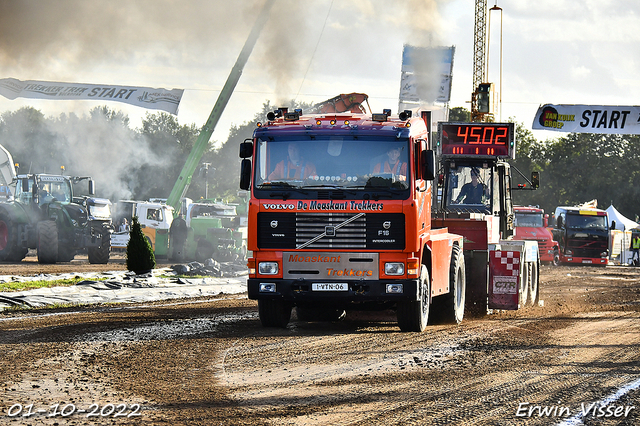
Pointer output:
x,y
324,231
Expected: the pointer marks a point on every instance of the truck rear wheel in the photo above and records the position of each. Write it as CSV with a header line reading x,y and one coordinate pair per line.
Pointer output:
x,y
525,284
449,309
9,250
414,314
100,255
534,291
274,313
47,242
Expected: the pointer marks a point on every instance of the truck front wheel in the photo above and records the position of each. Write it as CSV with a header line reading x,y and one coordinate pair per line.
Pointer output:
x,y
449,308
274,313
414,314
47,242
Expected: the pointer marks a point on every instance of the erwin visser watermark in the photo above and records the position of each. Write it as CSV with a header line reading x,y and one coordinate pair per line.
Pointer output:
x,y
595,409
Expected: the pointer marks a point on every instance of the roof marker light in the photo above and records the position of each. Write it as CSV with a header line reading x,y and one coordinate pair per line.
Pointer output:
x,y
332,122
318,122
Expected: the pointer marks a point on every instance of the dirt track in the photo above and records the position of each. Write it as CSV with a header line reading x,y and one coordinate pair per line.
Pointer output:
x,y
209,361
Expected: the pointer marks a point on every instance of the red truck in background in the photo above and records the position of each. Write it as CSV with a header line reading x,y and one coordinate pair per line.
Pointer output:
x,y
531,223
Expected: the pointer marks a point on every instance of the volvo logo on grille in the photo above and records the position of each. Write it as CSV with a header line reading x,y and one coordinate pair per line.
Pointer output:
x,y
274,223
330,231
386,224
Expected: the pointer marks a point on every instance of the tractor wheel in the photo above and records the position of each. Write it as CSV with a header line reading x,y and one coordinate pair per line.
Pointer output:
x,y
449,308
47,242
100,255
9,250
274,313
414,314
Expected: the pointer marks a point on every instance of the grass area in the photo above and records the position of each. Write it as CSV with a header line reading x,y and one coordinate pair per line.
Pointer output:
x,y
29,285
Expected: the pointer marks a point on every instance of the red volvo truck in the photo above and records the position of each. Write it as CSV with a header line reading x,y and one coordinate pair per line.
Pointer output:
x,y
339,219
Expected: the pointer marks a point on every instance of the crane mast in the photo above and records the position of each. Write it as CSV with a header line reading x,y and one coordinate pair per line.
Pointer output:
x,y
481,92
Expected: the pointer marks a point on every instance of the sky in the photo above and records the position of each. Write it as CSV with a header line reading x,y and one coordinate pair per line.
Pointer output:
x,y
553,51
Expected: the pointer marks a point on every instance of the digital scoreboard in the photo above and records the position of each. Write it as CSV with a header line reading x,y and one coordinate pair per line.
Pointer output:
x,y
476,139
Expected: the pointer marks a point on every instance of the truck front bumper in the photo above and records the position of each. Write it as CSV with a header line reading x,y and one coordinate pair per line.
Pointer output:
x,y
344,292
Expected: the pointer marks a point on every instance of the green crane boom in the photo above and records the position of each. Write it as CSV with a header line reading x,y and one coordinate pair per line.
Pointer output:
x,y
184,180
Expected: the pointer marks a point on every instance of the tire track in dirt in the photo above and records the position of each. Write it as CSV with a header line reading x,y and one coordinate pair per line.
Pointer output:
x,y
551,369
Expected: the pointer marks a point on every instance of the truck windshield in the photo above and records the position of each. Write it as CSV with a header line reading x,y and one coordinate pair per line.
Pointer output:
x,y
332,162
575,221
529,220
469,189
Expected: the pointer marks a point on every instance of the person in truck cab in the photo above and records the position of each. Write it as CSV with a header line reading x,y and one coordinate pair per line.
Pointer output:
x,y
294,166
393,164
472,192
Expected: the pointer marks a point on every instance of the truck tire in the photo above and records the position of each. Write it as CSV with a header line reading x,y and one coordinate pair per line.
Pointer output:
x,y
449,308
9,249
413,315
525,284
534,290
100,255
556,258
47,241
274,313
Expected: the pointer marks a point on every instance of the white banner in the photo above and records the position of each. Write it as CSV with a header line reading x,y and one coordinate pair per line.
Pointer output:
x,y
588,119
426,74
145,97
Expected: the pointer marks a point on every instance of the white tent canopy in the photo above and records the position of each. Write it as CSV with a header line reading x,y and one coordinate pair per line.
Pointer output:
x,y
622,223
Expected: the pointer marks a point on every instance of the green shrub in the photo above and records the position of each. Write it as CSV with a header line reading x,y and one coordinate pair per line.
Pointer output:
x,y
140,257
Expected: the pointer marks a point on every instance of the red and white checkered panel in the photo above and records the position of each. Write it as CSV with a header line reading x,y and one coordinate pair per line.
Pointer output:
x,y
504,276
506,262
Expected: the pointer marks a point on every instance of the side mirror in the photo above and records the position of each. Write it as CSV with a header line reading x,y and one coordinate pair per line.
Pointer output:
x,y
613,225
246,149
535,180
429,164
92,187
559,222
25,185
245,174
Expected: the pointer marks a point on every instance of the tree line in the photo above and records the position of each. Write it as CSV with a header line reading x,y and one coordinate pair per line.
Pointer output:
x,y
143,163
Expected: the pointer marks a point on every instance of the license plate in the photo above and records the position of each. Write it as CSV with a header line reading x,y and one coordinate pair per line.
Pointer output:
x,y
330,287
587,261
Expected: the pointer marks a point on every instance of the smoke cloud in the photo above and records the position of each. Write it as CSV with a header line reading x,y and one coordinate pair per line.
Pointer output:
x,y
165,41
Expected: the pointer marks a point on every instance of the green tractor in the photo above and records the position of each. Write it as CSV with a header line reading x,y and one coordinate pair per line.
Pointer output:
x,y
43,214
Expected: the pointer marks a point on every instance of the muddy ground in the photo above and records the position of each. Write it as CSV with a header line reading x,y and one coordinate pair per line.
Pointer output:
x,y
209,361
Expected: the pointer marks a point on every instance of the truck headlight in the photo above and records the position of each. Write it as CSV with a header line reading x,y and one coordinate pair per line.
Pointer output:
x,y
394,268
267,287
268,268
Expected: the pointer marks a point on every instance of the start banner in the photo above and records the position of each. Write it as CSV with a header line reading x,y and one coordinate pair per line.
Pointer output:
x,y
588,119
145,97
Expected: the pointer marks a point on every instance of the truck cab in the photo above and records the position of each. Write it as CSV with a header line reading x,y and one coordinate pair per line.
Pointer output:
x,y
531,223
583,235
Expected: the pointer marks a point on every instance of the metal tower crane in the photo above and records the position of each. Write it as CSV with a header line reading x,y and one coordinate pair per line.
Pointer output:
x,y
481,93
